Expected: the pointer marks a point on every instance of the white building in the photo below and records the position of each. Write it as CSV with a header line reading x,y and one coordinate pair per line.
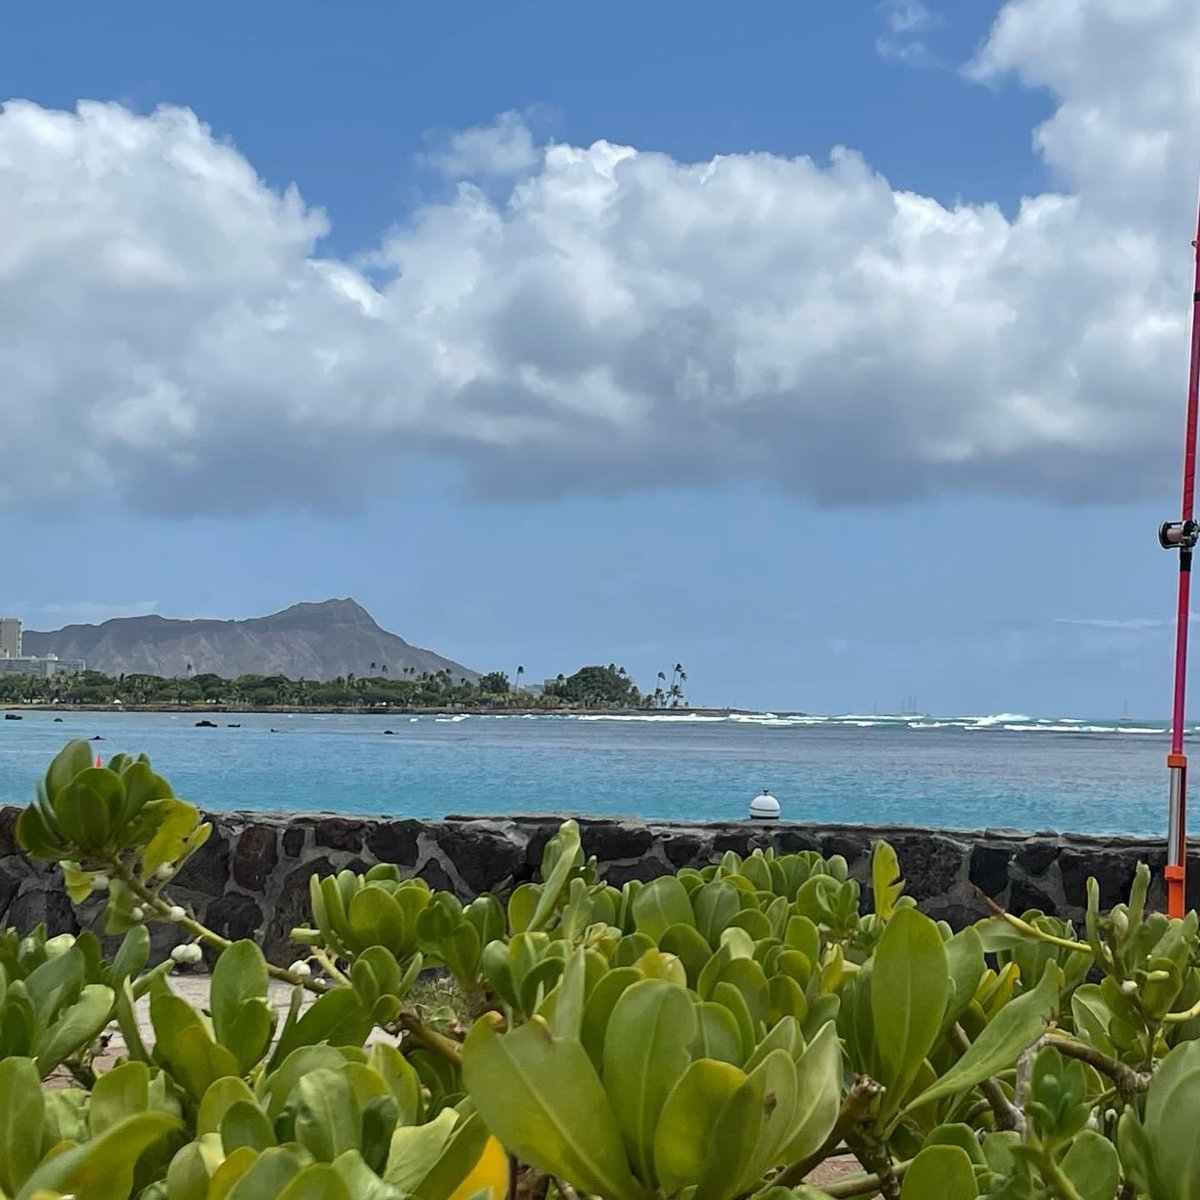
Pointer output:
x,y
42,668
13,662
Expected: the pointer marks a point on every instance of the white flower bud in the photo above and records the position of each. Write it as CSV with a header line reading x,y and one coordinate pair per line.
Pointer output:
x,y
165,871
301,968
138,913
175,913
195,954
1128,988
100,883
179,954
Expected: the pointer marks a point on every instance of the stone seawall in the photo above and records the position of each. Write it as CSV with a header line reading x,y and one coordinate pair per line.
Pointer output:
x,y
251,878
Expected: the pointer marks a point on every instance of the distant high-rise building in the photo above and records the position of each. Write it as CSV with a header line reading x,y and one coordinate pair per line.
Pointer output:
x,y
10,637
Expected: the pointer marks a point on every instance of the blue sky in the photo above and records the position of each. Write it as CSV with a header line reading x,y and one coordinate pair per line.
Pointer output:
x,y
831,434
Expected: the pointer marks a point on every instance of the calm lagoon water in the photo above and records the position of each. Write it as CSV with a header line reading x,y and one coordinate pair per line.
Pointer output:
x,y
970,772
966,773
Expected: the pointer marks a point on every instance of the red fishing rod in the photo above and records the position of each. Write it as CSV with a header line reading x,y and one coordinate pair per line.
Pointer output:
x,y
1182,535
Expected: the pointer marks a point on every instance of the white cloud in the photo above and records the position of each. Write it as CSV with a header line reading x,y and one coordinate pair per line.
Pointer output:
x,y
906,21
908,16
171,335
1130,624
503,148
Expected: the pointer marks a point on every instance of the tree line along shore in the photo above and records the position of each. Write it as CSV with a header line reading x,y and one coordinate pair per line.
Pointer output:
x,y
591,688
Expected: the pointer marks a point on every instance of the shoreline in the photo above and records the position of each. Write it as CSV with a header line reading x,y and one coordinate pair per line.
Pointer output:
x,y
363,711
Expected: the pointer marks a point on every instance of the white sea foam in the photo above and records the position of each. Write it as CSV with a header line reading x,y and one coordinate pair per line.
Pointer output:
x,y
1001,719
663,718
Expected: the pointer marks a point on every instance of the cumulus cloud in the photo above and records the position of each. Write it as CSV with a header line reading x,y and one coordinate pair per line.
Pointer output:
x,y
172,336
504,147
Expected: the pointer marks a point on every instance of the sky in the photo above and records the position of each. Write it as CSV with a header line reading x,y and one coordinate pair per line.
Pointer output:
x,y
837,351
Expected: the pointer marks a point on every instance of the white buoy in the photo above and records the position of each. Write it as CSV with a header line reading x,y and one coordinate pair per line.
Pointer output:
x,y
764,807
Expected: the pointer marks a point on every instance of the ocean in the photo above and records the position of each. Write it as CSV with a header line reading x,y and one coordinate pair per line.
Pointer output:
x,y
1006,770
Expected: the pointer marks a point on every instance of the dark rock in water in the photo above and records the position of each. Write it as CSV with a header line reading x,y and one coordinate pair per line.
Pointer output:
x,y
97,738
389,733
206,724
58,720
12,716
233,726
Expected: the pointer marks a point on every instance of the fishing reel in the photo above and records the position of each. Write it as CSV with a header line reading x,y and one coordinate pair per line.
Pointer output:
x,y
1178,535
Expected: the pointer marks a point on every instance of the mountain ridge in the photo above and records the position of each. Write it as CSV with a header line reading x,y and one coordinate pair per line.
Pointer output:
x,y
311,640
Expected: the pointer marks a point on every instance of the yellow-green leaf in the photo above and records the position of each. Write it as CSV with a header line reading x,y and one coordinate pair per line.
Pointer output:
x,y
542,1098
909,985
646,1051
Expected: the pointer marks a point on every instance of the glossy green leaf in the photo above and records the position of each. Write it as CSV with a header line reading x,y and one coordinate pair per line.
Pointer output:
x,y
818,1094
646,1051
120,1093
328,1118
241,1015
401,1080
886,882
542,1098
910,982
185,1046
684,1135
246,1125
22,1111
220,1096
271,1173
940,1173
75,1027
751,1133
457,1160
1093,1167
689,946
70,762
718,1034
663,902
964,958
415,1150
317,1182
1016,1027
336,1018
560,857
361,1182
1172,1103
103,1168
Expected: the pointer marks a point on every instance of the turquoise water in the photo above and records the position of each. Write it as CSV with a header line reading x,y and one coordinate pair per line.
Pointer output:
x,y
970,772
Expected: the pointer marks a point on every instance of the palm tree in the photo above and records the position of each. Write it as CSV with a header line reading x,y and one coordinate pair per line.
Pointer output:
x,y
520,672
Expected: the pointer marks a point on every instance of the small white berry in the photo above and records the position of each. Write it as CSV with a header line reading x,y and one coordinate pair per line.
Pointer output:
x,y
195,954
1128,988
99,883
165,871
179,954
301,968
138,913
175,913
